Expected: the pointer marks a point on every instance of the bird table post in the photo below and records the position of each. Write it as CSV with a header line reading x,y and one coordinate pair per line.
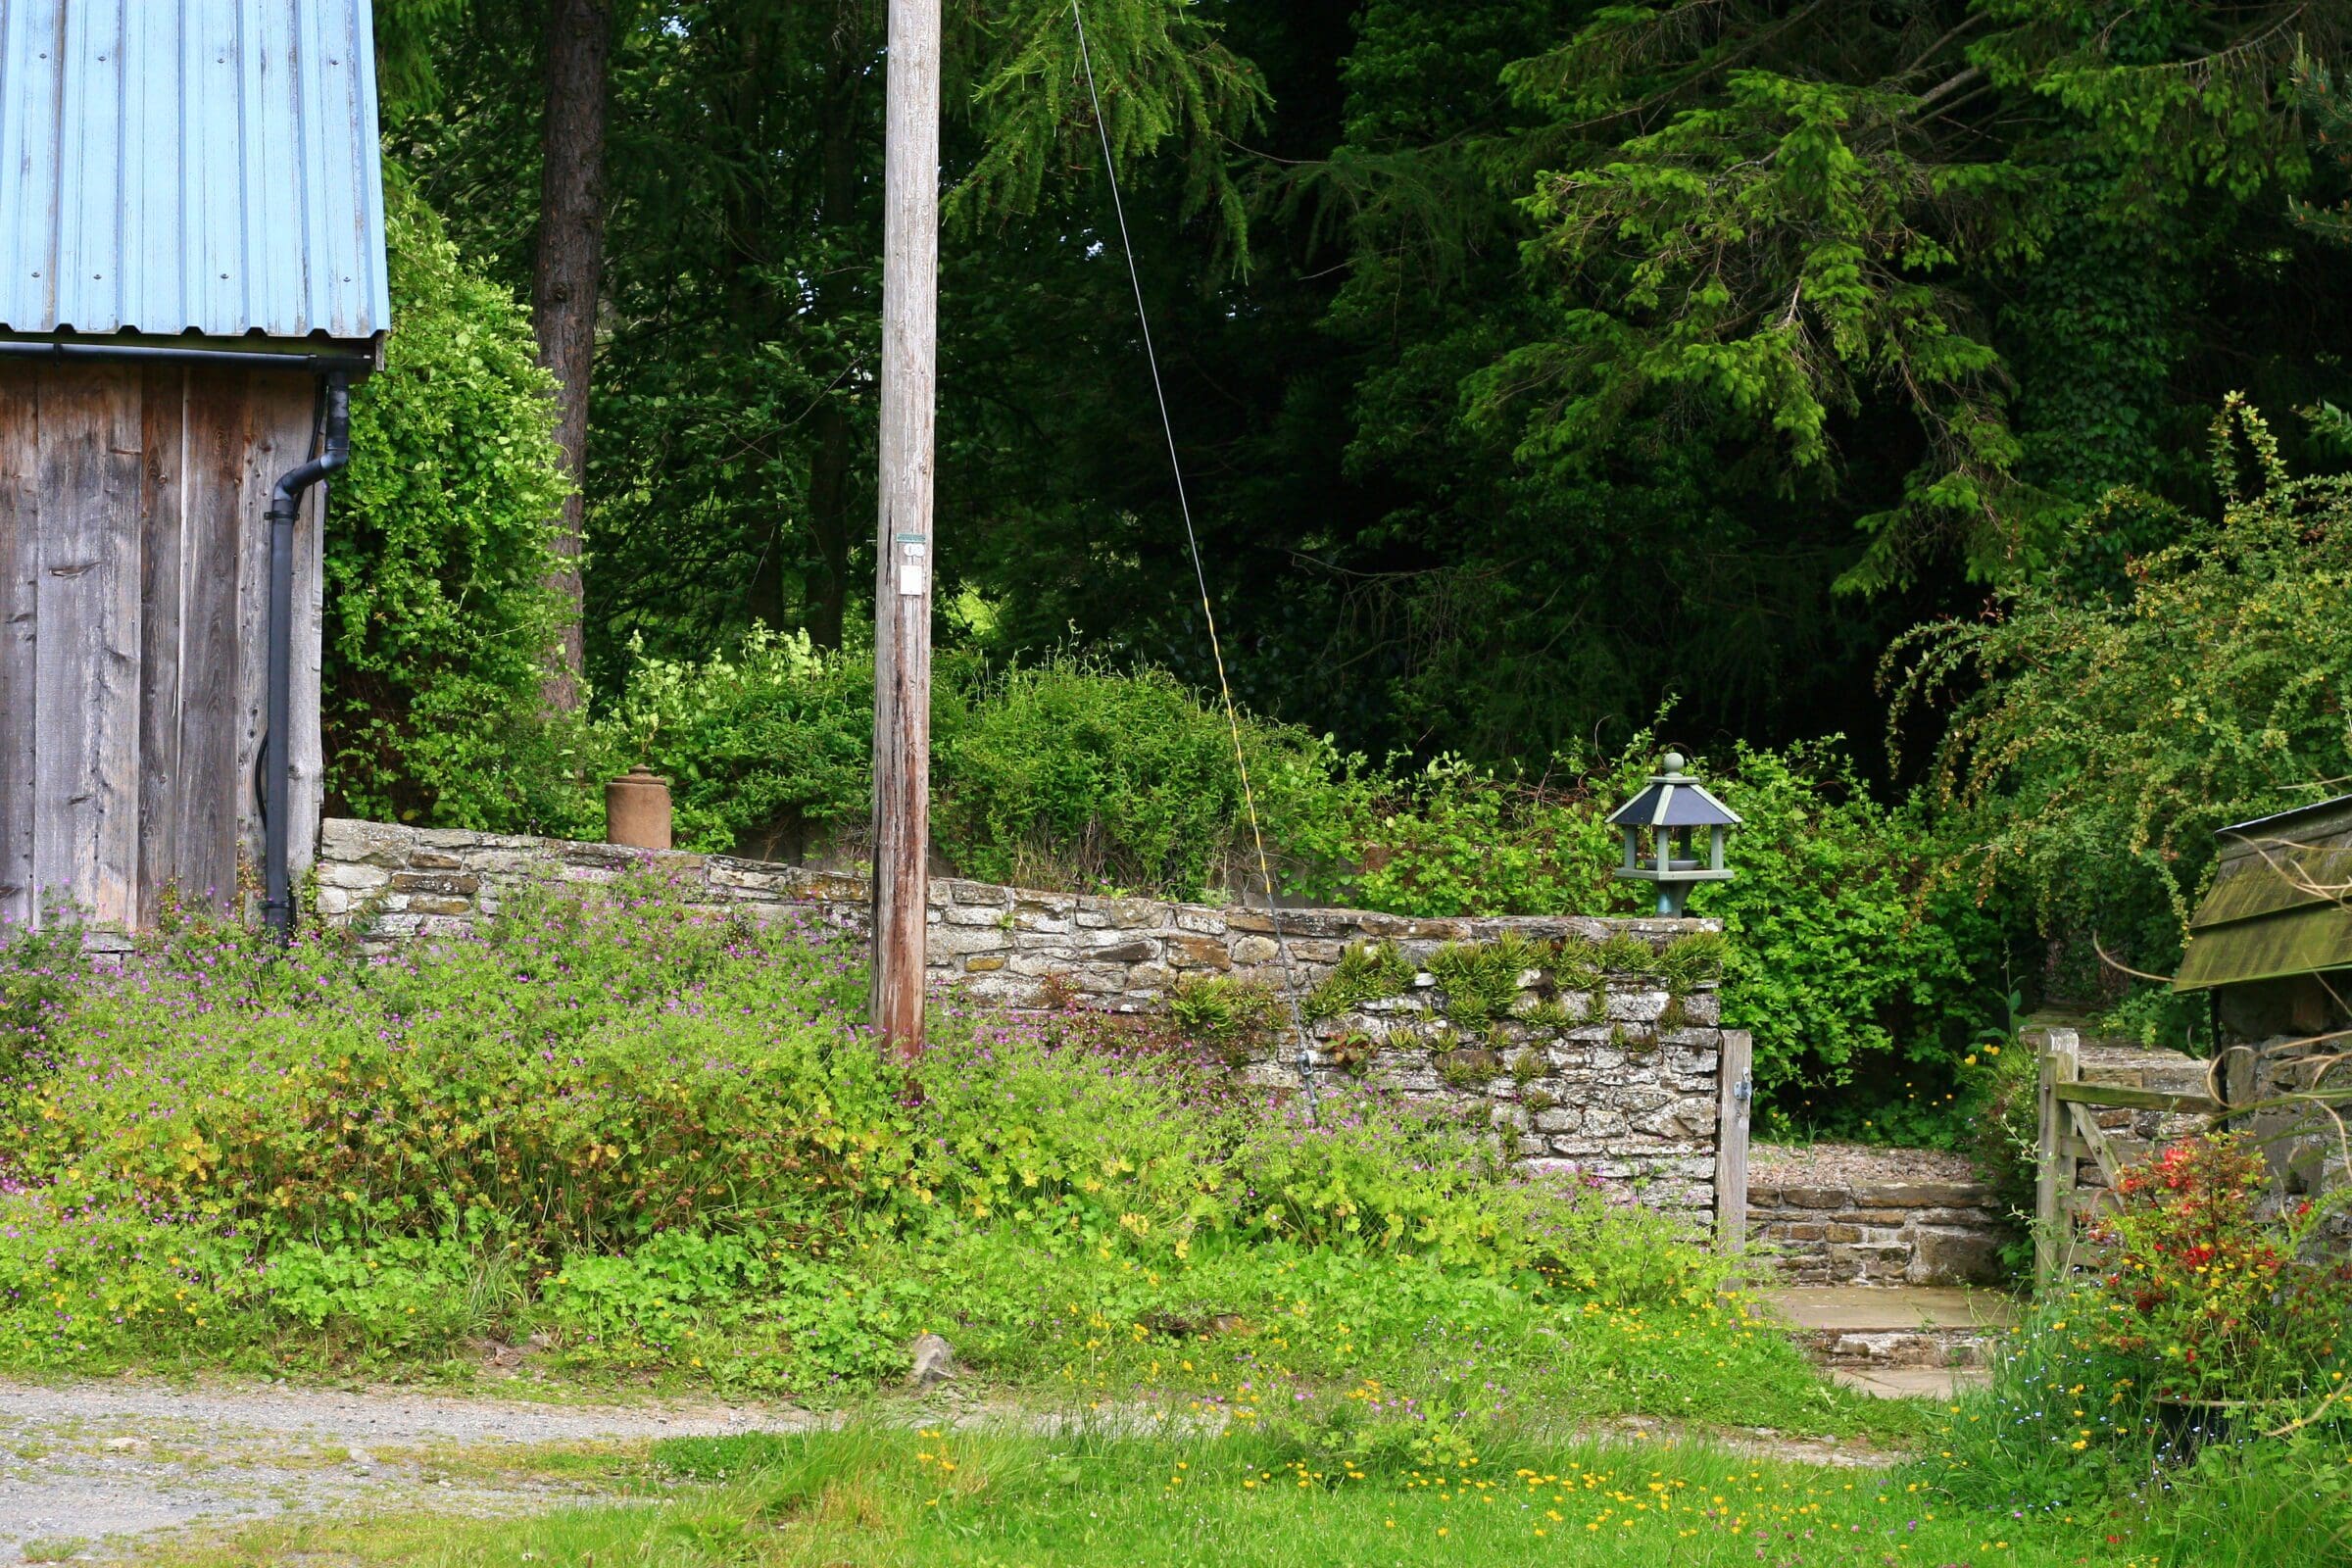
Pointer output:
x,y
902,607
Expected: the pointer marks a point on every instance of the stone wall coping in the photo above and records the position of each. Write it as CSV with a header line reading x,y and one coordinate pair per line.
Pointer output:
x,y
348,838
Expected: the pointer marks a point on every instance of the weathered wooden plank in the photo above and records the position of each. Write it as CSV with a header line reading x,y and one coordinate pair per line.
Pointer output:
x,y
162,634
120,502
263,462
85,696
20,568
2126,1097
65,843
283,418
2054,1181
308,793
1735,1094
211,802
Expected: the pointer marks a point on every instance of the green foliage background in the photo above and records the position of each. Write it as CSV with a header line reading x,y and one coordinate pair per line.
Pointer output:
x,y
437,624
1540,365
2096,730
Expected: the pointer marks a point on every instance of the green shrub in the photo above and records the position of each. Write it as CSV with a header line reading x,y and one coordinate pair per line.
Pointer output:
x,y
1841,954
2099,729
1452,839
2202,1342
2213,1301
1071,774
438,620
777,736
1065,774
1844,955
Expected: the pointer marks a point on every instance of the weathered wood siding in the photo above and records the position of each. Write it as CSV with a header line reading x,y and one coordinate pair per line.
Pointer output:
x,y
133,575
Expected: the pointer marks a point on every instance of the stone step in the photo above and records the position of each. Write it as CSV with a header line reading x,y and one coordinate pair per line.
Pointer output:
x,y
1867,1328
1941,1383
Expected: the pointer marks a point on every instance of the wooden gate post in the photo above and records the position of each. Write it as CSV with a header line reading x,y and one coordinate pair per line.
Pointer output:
x,y
1735,1093
2060,1062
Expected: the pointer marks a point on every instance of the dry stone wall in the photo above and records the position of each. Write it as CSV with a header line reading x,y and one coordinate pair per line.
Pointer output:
x,y
1874,1231
1564,1035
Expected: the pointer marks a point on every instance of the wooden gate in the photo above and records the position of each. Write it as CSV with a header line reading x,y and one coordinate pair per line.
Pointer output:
x,y
2075,1136
1735,1094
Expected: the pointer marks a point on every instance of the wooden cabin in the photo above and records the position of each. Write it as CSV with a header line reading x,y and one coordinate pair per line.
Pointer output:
x,y
191,253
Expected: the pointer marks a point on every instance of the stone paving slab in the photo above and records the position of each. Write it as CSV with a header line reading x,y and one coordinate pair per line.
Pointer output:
x,y
1913,1382
1862,1309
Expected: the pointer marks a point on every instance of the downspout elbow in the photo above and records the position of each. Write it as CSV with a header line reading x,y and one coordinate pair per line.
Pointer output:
x,y
285,497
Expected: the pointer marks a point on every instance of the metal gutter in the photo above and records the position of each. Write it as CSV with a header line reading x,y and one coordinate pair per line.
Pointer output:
x,y
312,362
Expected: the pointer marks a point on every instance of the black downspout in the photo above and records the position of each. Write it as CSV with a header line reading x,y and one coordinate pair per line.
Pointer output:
x,y
277,795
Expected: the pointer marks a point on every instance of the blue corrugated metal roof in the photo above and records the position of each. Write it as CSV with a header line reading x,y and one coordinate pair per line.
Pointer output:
x,y
190,165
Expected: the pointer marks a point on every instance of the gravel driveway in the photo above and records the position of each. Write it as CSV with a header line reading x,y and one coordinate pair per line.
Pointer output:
x,y
86,1466
97,1463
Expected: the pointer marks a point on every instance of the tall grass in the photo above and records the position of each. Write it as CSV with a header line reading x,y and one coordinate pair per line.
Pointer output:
x,y
1088,1497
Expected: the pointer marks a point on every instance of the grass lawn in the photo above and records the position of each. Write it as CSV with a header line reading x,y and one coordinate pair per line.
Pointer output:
x,y
872,1497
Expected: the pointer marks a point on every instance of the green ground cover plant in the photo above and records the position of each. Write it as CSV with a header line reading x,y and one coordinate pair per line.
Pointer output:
x,y
650,1136
1290,1494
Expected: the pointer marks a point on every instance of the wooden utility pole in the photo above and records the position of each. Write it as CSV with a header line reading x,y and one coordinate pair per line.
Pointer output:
x,y
902,554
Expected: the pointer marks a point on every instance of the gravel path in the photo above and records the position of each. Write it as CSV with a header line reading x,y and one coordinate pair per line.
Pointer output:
x,y
86,1466
97,1463
1794,1164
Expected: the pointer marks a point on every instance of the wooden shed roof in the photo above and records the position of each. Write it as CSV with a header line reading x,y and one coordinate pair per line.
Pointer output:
x,y
2282,900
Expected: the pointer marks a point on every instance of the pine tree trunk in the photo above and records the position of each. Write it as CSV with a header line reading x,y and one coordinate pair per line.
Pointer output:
x,y
835,502
565,278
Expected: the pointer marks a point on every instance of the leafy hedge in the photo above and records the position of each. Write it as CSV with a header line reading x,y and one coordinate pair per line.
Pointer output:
x,y
1854,971
1096,777
2101,724
1062,773
438,620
